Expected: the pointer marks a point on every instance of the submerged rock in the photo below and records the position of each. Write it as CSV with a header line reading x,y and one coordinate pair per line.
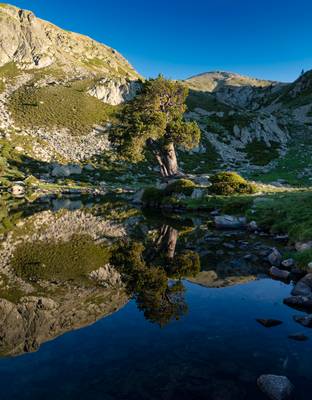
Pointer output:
x,y
299,337
269,323
276,387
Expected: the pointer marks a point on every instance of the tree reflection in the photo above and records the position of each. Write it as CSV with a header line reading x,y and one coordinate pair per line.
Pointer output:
x,y
153,272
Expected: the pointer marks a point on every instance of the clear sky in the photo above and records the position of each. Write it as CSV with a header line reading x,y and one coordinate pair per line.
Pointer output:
x,y
269,39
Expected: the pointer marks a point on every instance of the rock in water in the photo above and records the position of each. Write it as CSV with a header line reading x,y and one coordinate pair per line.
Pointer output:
x,y
279,273
299,302
299,337
230,222
269,323
305,321
276,387
303,287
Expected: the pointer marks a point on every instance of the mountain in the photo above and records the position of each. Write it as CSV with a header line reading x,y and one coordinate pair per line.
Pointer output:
x,y
61,91
33,43
215,80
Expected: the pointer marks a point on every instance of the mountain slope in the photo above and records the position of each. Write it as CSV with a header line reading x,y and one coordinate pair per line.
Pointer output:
x,y
33,43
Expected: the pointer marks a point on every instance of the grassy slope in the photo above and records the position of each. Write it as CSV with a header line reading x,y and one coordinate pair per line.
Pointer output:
x,y
59,107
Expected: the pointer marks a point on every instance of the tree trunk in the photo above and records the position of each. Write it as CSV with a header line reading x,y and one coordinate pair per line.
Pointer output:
x,y
167,240
166,158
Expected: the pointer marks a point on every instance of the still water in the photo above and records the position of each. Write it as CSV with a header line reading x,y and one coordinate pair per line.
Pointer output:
x,y
104,302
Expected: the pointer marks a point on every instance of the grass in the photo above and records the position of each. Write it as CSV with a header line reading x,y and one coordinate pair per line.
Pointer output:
x,y
289,213
67,107
259,153
290,166
7,73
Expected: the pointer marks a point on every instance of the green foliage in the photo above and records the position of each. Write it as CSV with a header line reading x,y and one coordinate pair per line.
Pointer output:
x,y
155,114
181,186
303,258
7,73
152,197
59,107
259,153
289,213
229,183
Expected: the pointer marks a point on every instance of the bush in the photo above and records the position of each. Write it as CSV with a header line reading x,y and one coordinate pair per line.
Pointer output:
x,y
152,197
227,183
182,186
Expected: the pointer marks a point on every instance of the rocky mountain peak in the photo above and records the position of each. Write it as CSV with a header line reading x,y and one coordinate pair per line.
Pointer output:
x,y
34,43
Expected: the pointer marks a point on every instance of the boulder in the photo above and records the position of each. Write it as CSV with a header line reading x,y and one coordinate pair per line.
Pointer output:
x,y
60,171
276,387
305,320
197,194
299,302
74,169
303,287
89,168
279,273
230,222
252,226
17,190
290,262
275,257
310,266
302,246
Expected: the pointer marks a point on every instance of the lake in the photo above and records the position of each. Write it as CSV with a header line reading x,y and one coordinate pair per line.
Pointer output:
x,y
100,300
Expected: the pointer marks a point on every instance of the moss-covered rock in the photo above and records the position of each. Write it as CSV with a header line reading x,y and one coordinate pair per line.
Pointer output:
x,y
181,186
228,183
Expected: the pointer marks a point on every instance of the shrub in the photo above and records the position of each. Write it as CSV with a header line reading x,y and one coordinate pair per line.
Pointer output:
x,y
227,183
181,186
152,197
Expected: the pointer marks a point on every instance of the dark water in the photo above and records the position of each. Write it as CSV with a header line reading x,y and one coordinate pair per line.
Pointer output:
x,y
215,350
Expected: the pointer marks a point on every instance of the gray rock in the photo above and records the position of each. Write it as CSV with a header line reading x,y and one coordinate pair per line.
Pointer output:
x,y
230,222
290,262
302,246
137,198
275,257
279,273
305,321
303,287
60,171
89,168
299,302
17,190
276,387
197,194
252,226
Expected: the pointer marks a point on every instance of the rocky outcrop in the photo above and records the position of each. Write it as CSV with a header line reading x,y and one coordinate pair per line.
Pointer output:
x,y
114,91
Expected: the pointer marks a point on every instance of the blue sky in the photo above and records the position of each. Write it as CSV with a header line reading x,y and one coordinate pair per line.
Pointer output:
x,y
264,38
